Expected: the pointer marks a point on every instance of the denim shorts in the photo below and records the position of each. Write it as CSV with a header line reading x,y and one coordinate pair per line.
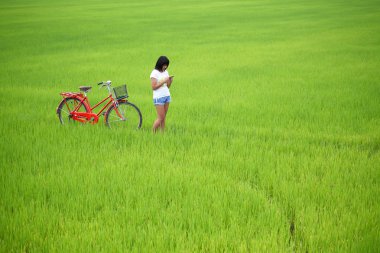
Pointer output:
x,y
161,101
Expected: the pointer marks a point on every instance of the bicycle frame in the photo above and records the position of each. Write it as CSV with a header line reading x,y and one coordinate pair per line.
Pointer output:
x,y
89,115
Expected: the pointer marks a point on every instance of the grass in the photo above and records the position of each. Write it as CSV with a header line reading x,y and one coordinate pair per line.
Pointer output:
x,y
272,140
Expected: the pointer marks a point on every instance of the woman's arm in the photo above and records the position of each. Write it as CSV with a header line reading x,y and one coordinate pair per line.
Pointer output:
x,y
169,82
156,84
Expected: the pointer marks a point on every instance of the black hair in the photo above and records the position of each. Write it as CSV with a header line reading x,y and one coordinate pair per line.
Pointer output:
x,y
162,60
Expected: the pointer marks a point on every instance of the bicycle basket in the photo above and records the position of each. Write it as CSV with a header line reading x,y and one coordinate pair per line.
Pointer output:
x,y
121,92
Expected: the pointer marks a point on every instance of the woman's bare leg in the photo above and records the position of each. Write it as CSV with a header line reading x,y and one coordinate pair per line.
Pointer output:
x,y
166,107
160,117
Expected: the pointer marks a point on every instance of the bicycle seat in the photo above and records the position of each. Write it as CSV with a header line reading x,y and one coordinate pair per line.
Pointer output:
x,y
85,88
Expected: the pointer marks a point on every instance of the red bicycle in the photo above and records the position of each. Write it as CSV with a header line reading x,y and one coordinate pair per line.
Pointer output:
x,y
117,111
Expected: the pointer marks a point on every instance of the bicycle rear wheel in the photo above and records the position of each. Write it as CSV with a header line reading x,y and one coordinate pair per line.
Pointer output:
x,y
125,115
66,107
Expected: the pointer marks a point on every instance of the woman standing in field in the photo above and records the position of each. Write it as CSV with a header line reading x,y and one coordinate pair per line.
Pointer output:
x,y
161,82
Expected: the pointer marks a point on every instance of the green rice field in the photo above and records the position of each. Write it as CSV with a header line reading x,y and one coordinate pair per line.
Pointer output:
x,y
272,140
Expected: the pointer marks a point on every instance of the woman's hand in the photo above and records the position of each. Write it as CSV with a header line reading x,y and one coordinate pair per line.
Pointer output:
x,y
157,84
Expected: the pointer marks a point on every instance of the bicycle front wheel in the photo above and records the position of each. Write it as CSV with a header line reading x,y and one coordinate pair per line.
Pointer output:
x,y
66,107
124,115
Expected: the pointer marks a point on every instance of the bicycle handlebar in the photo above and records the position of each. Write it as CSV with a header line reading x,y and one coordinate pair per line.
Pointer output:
x,y
105,82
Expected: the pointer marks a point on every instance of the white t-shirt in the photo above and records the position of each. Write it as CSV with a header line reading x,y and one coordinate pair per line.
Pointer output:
x,y
163,91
